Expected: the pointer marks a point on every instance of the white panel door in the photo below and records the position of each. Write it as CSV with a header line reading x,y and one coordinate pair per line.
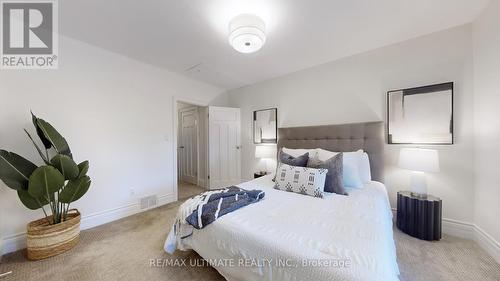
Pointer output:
x,y
224,142
188,145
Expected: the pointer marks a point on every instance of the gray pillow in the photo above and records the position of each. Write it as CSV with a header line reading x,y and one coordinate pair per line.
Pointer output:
x,y
334,178
300,161
285,158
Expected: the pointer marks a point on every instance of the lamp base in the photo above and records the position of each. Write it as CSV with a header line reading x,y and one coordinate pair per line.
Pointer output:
x,y
418,185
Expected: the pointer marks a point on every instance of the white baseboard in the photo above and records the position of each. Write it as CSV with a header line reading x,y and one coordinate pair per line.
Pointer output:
x,y
473,232
16,242
458,228
13,243
470,231
488,243
165,199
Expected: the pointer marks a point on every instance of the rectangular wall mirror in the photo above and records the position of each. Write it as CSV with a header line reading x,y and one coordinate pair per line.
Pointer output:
x,y
422,115
265,126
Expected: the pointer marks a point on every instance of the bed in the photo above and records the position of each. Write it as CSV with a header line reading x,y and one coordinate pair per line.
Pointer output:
x,y
289,236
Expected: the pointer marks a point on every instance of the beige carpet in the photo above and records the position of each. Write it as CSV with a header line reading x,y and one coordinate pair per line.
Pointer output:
x,y
123,250
187,190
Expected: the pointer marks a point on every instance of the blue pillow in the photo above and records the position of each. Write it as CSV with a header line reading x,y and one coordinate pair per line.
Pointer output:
x,y
351,176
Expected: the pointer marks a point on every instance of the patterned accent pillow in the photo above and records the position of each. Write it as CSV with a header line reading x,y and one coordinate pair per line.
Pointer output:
x,y
334,179
303,180
300,161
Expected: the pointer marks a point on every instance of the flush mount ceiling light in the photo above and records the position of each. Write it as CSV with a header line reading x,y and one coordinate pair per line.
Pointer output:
x,y
247,33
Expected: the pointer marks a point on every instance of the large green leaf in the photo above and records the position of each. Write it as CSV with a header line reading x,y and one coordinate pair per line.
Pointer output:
x,y
58,142
66,166
15,170
84,168
30,202
74,190
39,132
45,181
44,158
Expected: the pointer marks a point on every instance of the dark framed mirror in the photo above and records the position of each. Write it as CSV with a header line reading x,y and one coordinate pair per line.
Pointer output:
x,y
422,115
265,126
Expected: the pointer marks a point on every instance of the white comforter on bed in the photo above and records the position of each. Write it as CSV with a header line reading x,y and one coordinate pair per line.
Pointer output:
x,y
340,237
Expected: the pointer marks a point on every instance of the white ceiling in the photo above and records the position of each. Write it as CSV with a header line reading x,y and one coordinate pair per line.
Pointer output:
x,y
180,34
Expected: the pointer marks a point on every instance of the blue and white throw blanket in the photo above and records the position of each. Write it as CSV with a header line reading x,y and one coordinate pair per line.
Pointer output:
x,y
205,208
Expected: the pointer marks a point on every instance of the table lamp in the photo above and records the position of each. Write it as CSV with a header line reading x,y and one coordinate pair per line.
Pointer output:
x,y
265,152
420,161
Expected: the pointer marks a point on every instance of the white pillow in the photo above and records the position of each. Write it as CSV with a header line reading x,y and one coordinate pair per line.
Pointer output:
x,y
324,155
364,168
352,165
299,151
302,180
351,176
353,157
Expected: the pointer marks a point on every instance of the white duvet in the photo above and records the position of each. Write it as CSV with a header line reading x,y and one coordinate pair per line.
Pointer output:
x,y
288,236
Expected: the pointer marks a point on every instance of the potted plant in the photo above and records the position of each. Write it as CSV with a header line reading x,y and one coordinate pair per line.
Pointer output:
x,y
51,187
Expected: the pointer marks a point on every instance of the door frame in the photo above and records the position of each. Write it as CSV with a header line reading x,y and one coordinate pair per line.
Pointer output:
x,y
175,126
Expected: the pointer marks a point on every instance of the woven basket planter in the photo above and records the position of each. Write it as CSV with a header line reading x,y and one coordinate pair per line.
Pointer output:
x,y
45,240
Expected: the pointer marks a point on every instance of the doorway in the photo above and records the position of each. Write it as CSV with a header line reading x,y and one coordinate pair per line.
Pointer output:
x,y
191,162
207,148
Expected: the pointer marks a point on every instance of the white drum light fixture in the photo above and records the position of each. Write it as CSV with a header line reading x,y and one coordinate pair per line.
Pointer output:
x,y
247,33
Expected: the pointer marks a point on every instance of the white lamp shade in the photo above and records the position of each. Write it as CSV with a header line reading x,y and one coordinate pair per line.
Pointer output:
x,y
247,33
417,159
265,151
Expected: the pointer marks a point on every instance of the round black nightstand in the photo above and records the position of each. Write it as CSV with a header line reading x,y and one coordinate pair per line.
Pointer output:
x,y
419,216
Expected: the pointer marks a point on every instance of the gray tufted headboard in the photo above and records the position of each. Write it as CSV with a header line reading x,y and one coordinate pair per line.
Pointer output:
x,y
343,138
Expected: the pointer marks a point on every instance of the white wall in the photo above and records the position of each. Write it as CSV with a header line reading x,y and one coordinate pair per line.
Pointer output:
x,y
354,90
114,111
487,117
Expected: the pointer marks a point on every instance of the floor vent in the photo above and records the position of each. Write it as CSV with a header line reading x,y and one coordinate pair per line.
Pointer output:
x,y
149,202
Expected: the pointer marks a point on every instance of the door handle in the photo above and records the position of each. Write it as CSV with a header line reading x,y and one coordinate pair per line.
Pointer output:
x,y
181,146
238,147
